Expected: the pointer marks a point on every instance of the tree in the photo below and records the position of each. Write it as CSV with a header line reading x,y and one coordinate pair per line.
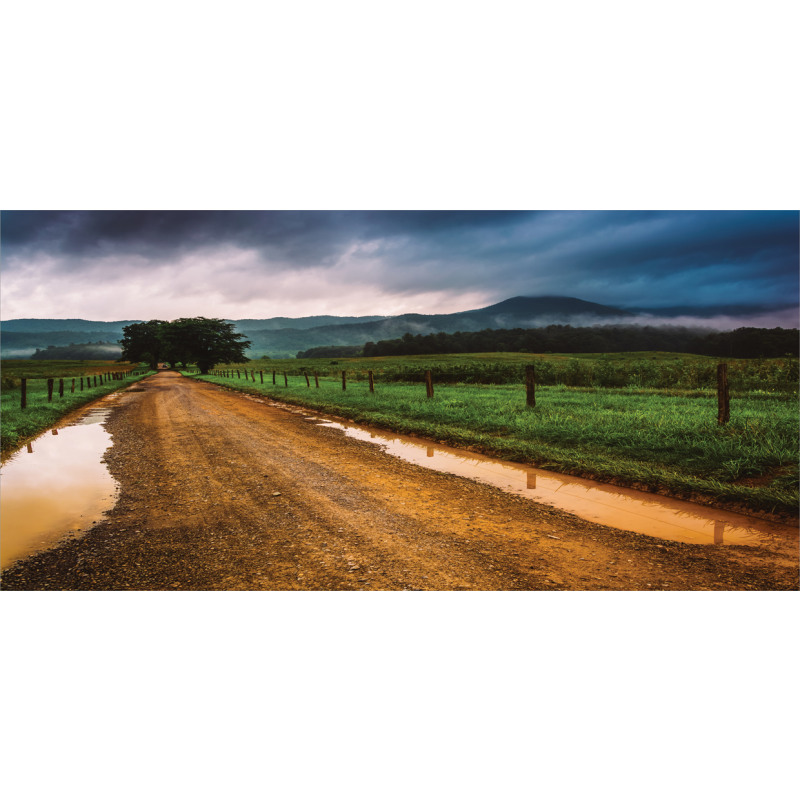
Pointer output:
x,y
204,341
143,341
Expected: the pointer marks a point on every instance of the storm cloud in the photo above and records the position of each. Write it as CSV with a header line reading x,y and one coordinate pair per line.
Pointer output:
x,y
234,264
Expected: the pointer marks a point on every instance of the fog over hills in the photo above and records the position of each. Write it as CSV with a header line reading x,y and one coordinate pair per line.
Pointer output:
x,y
516,312
281,337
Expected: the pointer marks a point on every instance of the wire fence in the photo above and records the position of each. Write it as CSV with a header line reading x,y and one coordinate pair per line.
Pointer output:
x,y
44,389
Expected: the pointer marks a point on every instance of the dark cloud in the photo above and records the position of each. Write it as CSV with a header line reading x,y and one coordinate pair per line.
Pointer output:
x,y
626,258
302,236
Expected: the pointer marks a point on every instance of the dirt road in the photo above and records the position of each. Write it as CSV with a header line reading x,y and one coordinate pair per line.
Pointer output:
x,y
222,491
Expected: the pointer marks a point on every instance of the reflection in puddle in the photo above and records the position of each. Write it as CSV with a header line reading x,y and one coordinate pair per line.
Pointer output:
x,y
617,507
56,486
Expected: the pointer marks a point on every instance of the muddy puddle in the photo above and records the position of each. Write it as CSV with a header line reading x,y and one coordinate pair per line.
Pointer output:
x,y
617,507
56,486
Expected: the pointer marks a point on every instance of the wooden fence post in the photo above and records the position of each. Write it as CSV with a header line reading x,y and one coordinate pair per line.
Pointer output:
x,y
273,377
308,380
428,383
344,380
371,381
316,380
723,395
24,393
285,380
94,379
530,385
49,390
81,382
72,391
261,373
238,374
60,387
253,375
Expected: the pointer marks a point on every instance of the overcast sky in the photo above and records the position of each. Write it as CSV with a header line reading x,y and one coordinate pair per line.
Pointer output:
x,y
234,264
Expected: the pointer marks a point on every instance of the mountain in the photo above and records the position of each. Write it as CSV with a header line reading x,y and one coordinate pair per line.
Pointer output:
x,y
296,323
283,337
516,312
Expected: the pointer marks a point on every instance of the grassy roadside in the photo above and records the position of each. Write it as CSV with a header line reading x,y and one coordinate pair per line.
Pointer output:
x,y
656,439
16,425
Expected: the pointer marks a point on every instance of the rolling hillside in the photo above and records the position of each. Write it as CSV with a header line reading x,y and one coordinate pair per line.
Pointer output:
x,y
516,312
284,336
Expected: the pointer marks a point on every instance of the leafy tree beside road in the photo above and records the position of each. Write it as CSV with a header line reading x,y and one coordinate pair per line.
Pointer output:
x,y
143,341
204,341
200,340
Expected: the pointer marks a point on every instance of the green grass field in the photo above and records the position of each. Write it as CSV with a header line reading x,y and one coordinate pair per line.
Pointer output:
x,y
17,425
648,370
664,439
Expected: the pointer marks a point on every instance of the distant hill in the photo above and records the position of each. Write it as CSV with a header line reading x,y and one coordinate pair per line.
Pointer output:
x,y
285,336
23,345
298,323
516,312
88,351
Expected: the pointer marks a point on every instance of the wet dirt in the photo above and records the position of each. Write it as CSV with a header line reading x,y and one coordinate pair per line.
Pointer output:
x,y
618,507
222,491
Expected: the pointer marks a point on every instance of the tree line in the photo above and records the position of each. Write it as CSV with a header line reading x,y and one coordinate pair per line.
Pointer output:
x,y
740,343
88,351
188,340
